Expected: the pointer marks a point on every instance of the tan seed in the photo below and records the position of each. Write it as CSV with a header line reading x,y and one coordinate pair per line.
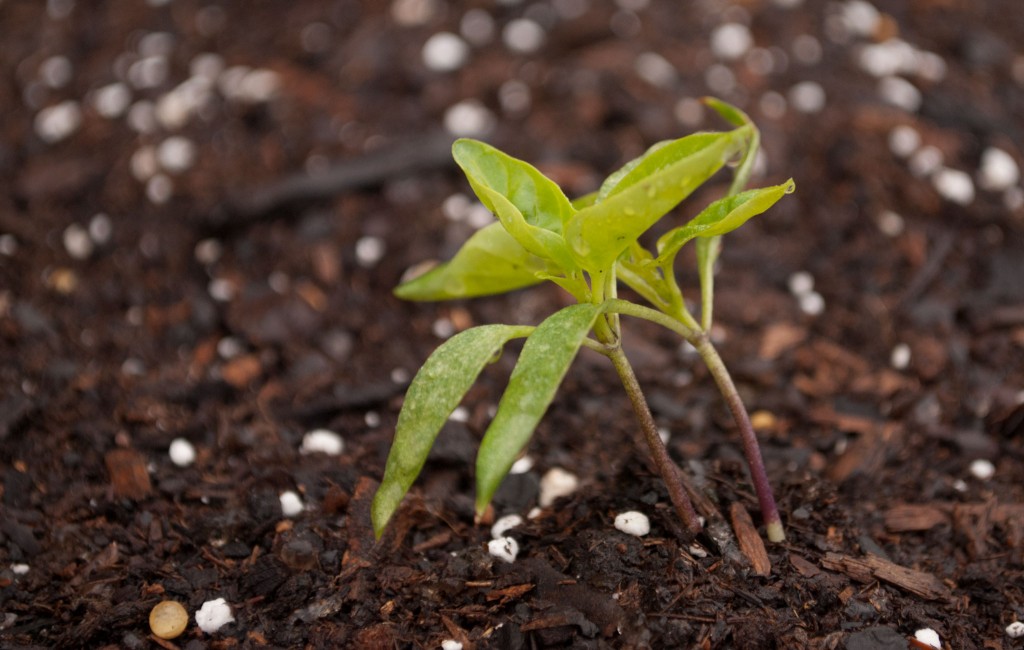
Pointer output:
x,y
168,619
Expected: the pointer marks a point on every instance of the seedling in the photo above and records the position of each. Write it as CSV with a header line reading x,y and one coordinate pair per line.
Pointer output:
x,y
587,247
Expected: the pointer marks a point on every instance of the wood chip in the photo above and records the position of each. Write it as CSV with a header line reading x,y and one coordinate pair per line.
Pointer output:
x,y
868,452
750,542
128,476
803,567
870,568
513,592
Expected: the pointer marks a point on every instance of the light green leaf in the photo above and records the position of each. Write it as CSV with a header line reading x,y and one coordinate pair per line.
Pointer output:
x,y
529,205
546,357
662,179
584,201
721,217
729,113
490,262
616,177
434,393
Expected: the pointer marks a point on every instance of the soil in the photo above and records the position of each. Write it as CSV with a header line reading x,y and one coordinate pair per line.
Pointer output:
x,y
239,303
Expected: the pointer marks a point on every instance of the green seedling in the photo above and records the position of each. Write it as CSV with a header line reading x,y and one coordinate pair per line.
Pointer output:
x,y
587,247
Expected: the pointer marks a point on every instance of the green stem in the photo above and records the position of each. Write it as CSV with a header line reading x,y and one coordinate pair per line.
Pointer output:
x,y
667,469
685,326
751,449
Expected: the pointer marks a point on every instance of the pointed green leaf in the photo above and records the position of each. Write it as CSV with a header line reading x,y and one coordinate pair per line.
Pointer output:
x,y
721,217
531,206
729,113
490,262
545,359
616,177
434,393
662,179
584,201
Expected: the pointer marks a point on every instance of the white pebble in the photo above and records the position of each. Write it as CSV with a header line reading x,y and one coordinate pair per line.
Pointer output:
x,y
477,27
229,347
929,637
173,109
111,100
479,216
460,414
505,524
719,79
900,93
523,35
208,251
731,41
930,66
800,283
451,644
925,161
899,358
954,185
556,483
229,81
77,242
206,66
369,251
142,117
159,189
982,469
182,452
57,122
522,465
213,615
807,97
999,171
812,304
891,57
101,229
455,207
443,328
655,69
221,289
143,163
860,18
1015,630
633,523
468,119
19,568
960,485
904,140
696,550
664,434
506,548
176,154
322,441
890,223
372,419
291,503
56,71
259,86
445,52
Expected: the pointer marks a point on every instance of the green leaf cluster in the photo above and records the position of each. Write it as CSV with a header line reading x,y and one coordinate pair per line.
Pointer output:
x,y
585,246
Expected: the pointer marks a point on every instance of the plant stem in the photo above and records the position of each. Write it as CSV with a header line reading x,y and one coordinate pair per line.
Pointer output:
x,y
751,449
664,464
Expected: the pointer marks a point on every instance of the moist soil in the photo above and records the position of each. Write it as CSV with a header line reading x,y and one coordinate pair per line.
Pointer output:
x,y
241,301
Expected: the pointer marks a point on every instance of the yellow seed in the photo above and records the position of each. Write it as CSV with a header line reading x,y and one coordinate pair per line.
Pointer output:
x,y
168,619
763,420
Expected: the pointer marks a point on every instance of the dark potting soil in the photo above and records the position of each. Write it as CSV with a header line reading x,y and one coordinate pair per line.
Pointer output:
x,y
206,252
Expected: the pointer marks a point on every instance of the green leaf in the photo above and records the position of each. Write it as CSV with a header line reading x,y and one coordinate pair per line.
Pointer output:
x,y
721,217
530,206
490,262
546,357
729,113
584,201
662,179
434,393
616,177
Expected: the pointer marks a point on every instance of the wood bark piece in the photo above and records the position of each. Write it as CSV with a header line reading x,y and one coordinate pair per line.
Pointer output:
x,y
910,517
128,476
870,568
750,542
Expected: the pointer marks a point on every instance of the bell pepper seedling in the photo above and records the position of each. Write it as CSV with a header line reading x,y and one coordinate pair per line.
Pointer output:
x,y
587,247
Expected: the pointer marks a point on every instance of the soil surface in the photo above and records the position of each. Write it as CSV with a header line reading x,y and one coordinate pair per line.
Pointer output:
x,y
203,247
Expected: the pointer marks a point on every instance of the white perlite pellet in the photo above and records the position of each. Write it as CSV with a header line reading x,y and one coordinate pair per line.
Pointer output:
x,y
900,93
111,100
322,441
159,189
954,185
999,171
633,523
468,118
904,140
101,229
77,242
505,524
929,637
556,483
800,283
291,503
477,27
982,469
182,452
522,465
860,18
505,548
369,251
655,69
445,52
899,358
451,644
1015,630
811,303
57,122
807,97
890,223
56,71
731,41
213,615
925,161
523,35
176,154
19,568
